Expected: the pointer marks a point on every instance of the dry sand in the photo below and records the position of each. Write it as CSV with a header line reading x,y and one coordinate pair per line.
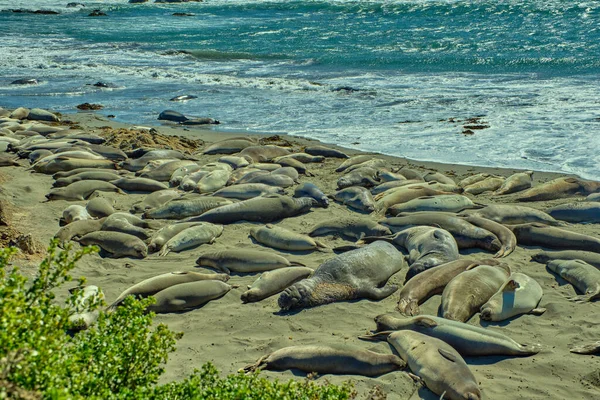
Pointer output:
x,y
231,334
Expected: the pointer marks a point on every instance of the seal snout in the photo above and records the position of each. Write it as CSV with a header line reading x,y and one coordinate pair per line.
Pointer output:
x,y
486,314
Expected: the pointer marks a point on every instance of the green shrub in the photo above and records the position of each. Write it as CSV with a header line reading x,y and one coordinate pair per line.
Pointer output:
x,y
120,357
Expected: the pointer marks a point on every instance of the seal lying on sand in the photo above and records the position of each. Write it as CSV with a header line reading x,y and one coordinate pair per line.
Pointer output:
x,y
586,256
189,295
259,209
585,277
284,239
554,238
273,282
355,228
427,247
151,286
244,260
116,243
360,273
437,364
559,188
329,360
585,211
520,294
467,339
431,282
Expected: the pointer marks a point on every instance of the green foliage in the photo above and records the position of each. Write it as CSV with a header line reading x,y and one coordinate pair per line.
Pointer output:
x,y
121,356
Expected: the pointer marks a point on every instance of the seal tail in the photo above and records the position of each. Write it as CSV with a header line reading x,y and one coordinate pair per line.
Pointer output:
x,y
529,350
257,366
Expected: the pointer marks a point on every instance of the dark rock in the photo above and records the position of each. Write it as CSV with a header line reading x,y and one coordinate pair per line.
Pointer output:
x,y
88,106
73,5
201,121
25,82
138,1
182,14
97,13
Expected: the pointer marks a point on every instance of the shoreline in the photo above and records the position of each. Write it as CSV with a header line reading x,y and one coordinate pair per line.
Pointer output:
x,y
231,334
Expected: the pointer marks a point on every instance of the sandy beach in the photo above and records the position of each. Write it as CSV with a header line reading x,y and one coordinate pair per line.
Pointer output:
x,y
232,335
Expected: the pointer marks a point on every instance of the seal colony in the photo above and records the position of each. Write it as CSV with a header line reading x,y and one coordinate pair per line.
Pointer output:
x,y
227,247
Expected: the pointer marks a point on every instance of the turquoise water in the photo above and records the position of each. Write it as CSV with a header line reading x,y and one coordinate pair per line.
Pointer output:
x,y
398,77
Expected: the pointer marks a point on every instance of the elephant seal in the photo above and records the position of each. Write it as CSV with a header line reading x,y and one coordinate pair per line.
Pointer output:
x,y
437,364
81,190
272,179
118,223
375,163
117,244
229,146
273,282
139,185
247,191
244,260
590,348
155,199
505,235
354,228
554,238
510,215
585,256
186,296
213,181
431,282
185,207
489,184
360,273
192,237
75,213
287,171
473,179
469,340
438,177
163,172
356,197
259,209
77,171
78,228
515,183
329,360
234,161
354,160
593,197
520,294
585,211
151,286
67,164
427,247
464,295
99,207
404,194
325,152
83,318
284,239
466,234
559,188
180,173
166,233
585,277
308,189
440,203
263,153
288,161
98,175
366,177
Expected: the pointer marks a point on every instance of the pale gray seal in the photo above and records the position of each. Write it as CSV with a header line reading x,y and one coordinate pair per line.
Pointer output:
x,y
245,191
117,244
356,197
98,175
555,238
155,199
584,211
403,194
489,184
431,282
192,237
139,185
273,282
81,190
75,213
317,150
520,294
504,234
437,364
515,183
183,208
586,256
308,189
329,360
467,339
99,207
284,239
77,229
353,161
259,209
229,146
559,188
366,177
510,214
464,295
440,203
585,277
244,260
117,222
155,284
186,296
360,273
263,153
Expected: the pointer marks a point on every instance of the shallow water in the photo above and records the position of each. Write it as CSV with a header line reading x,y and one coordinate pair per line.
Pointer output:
x,y
398,77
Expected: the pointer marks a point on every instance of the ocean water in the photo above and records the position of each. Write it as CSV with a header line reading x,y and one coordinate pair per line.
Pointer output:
x,y
398,77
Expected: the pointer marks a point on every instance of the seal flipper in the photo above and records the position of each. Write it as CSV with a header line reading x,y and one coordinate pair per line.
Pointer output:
x,y
378,293
297,264
382,336
426,322
537,311
257,366
447,355
591,348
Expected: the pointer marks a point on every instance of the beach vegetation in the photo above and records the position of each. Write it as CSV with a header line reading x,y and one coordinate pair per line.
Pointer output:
x,y
121,356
